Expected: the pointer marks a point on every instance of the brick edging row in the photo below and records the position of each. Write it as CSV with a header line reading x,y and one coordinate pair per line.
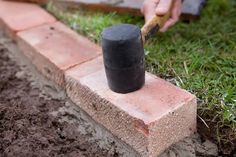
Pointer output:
x,y
149,120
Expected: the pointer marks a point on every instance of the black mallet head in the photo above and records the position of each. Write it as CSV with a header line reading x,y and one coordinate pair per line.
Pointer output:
x,y
123,55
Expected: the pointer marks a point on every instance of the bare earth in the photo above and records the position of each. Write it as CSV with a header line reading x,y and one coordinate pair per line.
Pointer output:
x,y
36,119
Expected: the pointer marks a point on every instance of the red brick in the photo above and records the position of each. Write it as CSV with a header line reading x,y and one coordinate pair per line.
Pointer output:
x,y
30,1
54,48
149,120
16,16
86,68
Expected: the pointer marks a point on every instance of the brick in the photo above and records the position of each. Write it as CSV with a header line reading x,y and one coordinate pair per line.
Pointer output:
x,y
16,16
54,48
31,1
86,68
149,120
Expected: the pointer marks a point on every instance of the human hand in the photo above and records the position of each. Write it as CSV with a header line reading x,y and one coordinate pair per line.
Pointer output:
x,y
160,8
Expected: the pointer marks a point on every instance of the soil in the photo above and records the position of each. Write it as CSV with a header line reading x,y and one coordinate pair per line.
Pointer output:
x,y
26,126
226,147
37,120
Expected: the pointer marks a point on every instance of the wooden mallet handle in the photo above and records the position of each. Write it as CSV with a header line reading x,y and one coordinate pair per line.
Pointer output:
x,y
153,25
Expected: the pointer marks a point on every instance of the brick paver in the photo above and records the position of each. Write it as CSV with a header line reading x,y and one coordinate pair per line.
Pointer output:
x,y
150,119
17,16
53,48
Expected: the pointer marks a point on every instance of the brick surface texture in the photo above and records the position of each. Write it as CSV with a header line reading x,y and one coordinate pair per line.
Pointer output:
x,y
30,1
53,48
149,120
16,16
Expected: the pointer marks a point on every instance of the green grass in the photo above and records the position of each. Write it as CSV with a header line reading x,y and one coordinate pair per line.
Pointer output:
x,y
199,57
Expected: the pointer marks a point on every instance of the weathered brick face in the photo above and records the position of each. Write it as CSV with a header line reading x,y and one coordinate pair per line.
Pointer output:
x,y
15,17
54,48
30,1
149,120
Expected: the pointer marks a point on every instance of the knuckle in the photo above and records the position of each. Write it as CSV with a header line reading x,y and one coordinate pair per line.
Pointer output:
x,y
162,11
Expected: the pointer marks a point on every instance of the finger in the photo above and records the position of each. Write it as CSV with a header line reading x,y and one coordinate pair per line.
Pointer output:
x,y
173,20
142,10
163,7
149,8
167,25
175,13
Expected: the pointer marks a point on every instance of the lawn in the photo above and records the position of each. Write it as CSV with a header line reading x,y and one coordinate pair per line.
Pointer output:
x,y
199,56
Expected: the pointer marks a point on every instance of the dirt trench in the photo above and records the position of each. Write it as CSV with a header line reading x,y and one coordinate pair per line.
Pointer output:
x,y
27,127
38,120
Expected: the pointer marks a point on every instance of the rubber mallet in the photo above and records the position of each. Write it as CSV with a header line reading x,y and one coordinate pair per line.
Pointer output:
x,y
123,53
